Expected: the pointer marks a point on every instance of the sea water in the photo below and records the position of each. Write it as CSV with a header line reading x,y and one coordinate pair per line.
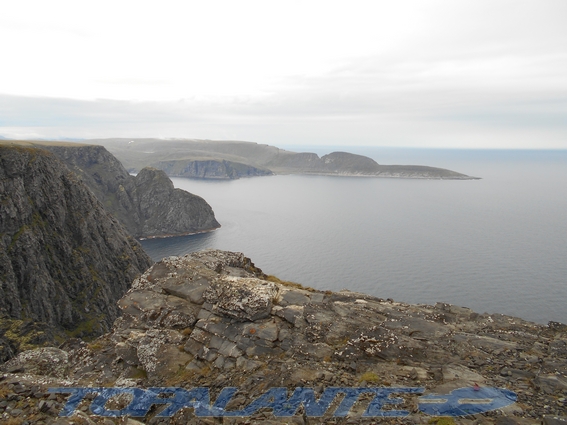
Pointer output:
x,y
496,245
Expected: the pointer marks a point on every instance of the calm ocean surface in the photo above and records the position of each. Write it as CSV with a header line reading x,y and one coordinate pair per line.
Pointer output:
x,y
496,245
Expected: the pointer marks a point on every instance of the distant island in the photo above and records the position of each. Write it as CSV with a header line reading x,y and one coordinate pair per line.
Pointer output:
x,y
225,160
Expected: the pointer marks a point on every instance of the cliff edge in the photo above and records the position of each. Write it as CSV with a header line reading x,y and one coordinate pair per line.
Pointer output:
x,y
64,260
212,320
146,204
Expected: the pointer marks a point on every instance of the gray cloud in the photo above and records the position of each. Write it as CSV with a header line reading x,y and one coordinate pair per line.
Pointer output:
x,y
477,95
310,117
437,73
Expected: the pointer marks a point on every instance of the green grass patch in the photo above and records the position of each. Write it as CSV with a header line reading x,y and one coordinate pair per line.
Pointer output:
x,y
271,278
442,421
369,376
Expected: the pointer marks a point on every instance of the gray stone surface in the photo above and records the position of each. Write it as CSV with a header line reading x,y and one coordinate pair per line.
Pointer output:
x,y
245,299
554,420
48,361
328,340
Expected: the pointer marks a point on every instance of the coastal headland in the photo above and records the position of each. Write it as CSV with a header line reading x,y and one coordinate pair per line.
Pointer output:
x,y
227,160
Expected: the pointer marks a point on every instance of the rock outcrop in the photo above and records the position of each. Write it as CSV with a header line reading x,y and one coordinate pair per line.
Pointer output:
x,y
147,204
160,209
212,319
64,260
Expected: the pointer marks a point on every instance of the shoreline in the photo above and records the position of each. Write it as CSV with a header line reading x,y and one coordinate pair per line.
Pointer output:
x,y
144,238
379,176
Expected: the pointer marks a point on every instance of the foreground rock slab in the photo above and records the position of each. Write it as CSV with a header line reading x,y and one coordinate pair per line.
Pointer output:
x,y
213,319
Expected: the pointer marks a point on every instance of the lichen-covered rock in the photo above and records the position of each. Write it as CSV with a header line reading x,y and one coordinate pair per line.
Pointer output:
x,y
148,310
48,361
254,334
153,345
243,299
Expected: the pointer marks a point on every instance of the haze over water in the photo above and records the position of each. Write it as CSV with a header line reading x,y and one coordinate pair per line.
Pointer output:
x,y
496,245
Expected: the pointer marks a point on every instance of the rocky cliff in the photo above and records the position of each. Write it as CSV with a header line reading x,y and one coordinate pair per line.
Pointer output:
x,y
147,204
166,211
64,260
213,320
210,169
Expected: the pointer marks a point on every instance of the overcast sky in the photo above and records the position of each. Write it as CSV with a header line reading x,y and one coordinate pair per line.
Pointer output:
x,y
423,73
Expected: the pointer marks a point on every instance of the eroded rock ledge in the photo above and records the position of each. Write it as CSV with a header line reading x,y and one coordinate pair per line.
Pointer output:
x,y
214,319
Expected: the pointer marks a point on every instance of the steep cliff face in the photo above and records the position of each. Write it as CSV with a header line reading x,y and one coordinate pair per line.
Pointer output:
x,y
97,167
210,169
64,260
147,205
150,191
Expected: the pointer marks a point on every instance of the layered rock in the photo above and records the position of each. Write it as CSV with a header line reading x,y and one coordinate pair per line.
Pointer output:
x,y
212,319
147,204
64,260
